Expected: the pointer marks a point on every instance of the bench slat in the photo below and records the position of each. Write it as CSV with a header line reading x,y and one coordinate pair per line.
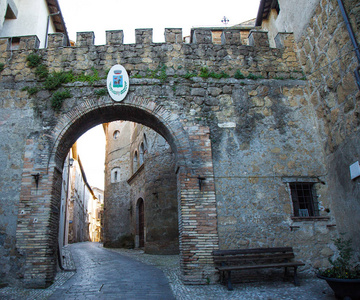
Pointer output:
x,y
248,267
255,257
253,250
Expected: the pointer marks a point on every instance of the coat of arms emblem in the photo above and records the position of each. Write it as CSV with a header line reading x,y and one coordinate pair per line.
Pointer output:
x,y
117,82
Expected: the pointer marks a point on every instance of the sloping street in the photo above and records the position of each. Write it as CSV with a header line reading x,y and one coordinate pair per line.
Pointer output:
x,y
103,274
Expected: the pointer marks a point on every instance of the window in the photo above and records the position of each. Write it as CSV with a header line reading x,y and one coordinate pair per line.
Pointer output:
x,y
304,199
115,175
135,162
142,151
116,134
10,13
145,143
14,43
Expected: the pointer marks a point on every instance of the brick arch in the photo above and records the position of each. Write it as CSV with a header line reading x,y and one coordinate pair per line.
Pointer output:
x,y
197,208
93,112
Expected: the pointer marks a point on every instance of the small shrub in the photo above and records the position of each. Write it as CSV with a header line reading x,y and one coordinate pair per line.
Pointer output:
x,y
343,267
239,75
58,99
189,75
33,60
87,78
163,75
101,92
254,77
204,72
136,76
2,67
219,75
42,71
31,90
56,79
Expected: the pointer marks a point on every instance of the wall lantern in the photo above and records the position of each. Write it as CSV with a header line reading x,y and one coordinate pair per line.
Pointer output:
x,y
37,178
200,180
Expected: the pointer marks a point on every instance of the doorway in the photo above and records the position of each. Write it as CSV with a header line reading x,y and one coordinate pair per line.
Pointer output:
x,y
141,223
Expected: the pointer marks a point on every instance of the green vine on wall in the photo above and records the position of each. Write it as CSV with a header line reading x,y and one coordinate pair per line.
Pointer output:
x,y
55,80
160,73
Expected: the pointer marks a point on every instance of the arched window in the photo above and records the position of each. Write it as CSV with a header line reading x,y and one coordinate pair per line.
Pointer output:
x,y
142,151
145,143
115,175
135,162
116,134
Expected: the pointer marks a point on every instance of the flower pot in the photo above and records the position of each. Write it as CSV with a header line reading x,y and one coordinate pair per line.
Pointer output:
x,y
344,288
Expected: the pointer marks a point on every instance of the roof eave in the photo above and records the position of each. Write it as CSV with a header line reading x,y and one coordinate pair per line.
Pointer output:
x,y
58,20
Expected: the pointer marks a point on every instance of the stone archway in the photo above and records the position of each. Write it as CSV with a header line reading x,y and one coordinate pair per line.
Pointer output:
x,y
39,206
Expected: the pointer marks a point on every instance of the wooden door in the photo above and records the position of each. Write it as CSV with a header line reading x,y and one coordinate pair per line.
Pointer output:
x,y
141,223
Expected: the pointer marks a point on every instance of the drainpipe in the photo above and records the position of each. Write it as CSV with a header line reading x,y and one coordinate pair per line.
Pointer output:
x,y
47,26
353,40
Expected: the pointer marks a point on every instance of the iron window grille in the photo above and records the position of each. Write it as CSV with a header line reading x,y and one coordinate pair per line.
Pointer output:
x,y
304,199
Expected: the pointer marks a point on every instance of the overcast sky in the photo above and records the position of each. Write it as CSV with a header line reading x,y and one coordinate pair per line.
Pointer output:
x,y
99,16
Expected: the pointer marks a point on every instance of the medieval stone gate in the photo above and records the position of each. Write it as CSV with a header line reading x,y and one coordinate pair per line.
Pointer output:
x,y
40,203
235,115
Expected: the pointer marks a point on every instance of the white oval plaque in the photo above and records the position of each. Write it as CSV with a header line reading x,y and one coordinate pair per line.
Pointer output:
x,y
118,83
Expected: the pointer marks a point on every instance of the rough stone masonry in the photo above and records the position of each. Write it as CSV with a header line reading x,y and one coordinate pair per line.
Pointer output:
x,y
234,114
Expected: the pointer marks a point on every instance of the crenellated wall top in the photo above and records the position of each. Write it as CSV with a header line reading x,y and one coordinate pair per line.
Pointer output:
x,y
200,36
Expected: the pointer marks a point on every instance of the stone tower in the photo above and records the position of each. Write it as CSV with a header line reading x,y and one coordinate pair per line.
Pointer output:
x,y
140,190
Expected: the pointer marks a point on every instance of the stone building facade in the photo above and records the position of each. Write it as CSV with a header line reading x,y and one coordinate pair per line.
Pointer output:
x,y
96,212
140,193
328,57
262,141
78,202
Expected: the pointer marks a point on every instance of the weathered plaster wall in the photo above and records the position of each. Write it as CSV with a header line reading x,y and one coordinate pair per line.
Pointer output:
x,y
31,19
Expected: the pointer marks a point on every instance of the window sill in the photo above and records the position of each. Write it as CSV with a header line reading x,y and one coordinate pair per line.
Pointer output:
x,y
135,174
316,218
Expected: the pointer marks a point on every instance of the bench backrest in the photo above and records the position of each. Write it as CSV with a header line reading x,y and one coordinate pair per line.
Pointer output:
x,y
253,256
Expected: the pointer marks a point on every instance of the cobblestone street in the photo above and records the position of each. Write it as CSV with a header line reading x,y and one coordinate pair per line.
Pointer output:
x,y
130,274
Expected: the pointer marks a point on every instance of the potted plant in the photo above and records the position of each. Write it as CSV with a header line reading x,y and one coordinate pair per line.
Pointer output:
x,y
344,274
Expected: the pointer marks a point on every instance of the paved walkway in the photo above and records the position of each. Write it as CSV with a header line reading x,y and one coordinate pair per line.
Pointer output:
x,y
104,274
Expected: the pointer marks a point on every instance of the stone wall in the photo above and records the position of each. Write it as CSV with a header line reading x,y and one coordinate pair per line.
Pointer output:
x,y
240,110
328,58
154,181
161,205
117,229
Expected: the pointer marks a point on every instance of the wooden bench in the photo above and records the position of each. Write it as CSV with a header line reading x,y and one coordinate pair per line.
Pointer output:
x,y
227,261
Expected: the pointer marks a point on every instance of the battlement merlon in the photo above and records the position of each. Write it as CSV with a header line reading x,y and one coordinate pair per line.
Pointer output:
x,y
201,36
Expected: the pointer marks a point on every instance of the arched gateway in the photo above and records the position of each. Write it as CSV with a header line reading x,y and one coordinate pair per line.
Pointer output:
x,y
38,218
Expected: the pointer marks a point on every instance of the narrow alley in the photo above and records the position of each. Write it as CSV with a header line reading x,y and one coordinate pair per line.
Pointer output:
x,y
103,274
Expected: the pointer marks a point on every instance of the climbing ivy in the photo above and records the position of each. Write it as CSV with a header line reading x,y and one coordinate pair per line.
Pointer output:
x,y
55,80
58,98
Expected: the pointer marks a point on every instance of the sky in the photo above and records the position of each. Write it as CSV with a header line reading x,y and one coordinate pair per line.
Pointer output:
x,y
99,16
